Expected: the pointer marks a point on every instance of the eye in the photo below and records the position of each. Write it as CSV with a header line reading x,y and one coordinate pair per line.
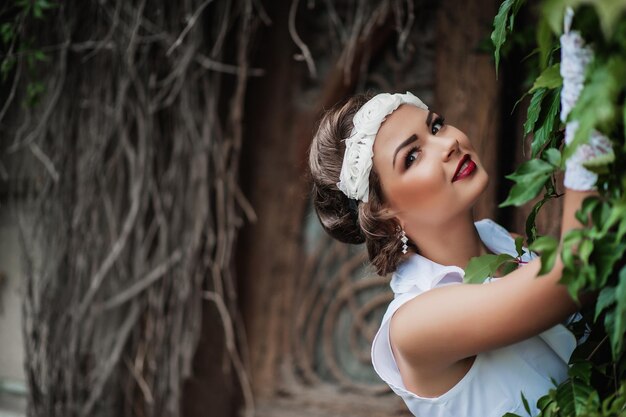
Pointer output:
x,y
411,156
438,123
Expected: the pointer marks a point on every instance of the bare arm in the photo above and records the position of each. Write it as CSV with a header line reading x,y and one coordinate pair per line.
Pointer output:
x,y
459,321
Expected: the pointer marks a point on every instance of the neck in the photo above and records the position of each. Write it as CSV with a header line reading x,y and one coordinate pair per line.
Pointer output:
x,y
454,243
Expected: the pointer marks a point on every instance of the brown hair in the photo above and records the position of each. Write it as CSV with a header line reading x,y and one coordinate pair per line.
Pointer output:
x,y
370,223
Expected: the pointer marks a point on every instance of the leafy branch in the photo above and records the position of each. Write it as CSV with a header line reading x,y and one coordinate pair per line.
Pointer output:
x,y
594,256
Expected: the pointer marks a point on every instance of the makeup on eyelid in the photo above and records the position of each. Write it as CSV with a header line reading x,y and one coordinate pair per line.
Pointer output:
x,y
439,120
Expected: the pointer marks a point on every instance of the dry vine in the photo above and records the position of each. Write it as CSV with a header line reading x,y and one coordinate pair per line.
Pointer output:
x,y
131,171
349,27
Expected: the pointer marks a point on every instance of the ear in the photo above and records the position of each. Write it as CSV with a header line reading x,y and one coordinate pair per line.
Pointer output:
x,y
397,218
400,222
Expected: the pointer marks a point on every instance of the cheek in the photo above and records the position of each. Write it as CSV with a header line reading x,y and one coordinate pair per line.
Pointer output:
x,y
422,188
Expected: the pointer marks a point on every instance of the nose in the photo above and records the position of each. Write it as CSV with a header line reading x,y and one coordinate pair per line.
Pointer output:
x,y
451,147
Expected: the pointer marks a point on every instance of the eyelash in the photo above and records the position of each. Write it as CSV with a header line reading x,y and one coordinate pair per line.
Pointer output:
x,y
439,120
407,161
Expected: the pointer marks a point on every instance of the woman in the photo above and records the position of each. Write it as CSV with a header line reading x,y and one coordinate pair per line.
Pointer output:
x,y
388,172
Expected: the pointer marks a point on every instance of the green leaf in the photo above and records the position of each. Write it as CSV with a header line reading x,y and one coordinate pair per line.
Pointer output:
x,y
544,42
581,370
586,208
523,191
548,247
621,230
615,403
507,11
6,66
39,55
547,403
553,156
571,240
609,326
604,257
553,11
530,177
585,249
624,117
534,108
531,227
599,164
574,279
620,315
34,91
45,4
509,267
605,299
25,5
550,188
37,12
609,12
39,6
600,214
481,267
550,78
7,32
548,123
573,395
618,212
519,242
525,402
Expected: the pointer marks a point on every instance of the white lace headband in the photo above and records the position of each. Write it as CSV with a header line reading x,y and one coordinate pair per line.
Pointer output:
x,y
357,160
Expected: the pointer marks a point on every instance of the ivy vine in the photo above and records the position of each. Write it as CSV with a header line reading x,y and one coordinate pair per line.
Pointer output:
x,y
596,386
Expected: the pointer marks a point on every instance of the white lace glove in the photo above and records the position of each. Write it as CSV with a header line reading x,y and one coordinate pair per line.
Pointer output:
x,y
575,56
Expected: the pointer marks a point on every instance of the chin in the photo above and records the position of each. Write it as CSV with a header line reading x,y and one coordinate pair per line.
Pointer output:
x,y
481,184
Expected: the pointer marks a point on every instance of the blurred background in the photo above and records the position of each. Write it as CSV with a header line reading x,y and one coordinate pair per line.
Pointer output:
x,y
159,255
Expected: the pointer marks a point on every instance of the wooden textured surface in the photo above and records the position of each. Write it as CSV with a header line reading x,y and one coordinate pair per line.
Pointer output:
x,y
466,90
290,317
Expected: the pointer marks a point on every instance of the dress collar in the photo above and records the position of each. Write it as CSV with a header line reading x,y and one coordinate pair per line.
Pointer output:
x,y
423,273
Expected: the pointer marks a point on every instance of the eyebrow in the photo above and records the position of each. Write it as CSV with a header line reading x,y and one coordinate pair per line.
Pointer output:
x,y
410,139
429,118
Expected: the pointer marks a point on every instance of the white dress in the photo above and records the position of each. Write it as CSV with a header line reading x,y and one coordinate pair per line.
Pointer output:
x,y
493,385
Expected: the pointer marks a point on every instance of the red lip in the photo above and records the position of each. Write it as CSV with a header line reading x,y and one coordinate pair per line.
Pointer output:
x,y
471,166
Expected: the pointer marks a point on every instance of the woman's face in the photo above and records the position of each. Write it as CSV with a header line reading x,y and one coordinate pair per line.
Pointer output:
x,y
416,157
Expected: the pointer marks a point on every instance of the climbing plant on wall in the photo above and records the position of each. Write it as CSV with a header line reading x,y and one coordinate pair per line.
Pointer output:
x,y
596,385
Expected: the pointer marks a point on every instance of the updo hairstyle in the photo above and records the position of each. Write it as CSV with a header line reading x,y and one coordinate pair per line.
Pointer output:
x,y
369,223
